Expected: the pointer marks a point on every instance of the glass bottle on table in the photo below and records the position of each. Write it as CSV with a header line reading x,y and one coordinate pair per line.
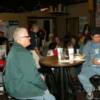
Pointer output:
x,y
77,52
71,54
60,54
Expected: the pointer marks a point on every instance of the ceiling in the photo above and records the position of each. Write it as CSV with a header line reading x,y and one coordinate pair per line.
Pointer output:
x,y
31,5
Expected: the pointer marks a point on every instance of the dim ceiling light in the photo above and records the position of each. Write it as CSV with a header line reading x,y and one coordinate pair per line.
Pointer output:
x,y
43,9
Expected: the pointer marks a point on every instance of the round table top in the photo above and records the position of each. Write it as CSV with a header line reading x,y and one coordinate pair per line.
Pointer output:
x,y
52,61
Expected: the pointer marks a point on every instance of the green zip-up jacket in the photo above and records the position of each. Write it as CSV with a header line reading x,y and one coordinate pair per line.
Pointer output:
x,y
21,78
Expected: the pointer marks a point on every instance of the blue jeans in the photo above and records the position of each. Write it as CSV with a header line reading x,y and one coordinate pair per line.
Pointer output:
x,y
47,96
86,74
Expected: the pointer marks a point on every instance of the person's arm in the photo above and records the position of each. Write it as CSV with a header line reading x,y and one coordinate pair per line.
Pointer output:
x,y
37,51
89,55
28,68
86,51
95,61
49,53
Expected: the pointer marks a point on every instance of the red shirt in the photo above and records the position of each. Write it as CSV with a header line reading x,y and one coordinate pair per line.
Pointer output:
x,y
55,52
2,63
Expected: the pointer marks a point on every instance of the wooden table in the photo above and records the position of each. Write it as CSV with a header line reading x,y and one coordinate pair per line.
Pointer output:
x,y
52,61
64,76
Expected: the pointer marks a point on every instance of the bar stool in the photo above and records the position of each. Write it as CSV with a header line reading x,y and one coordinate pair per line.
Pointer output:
x,y
8,97
2,87
95,80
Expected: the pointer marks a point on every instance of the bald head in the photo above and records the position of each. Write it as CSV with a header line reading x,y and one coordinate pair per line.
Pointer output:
x,y
21,36
18,32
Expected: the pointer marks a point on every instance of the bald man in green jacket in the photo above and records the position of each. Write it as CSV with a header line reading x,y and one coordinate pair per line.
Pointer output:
x,y
21,78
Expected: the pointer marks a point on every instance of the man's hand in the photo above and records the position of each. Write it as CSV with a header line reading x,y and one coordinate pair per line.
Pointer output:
x,y
96,62
42,76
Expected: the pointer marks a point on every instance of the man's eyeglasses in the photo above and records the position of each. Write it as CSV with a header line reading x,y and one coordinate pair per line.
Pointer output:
x,y
25,36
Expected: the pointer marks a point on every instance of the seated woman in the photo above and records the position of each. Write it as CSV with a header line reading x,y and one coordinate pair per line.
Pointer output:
x,y
52,49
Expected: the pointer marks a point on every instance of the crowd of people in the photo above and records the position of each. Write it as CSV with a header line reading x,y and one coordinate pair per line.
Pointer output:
x,y
22,67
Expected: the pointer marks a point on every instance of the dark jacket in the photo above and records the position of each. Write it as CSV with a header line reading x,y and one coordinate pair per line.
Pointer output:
x,y
21,79
34,41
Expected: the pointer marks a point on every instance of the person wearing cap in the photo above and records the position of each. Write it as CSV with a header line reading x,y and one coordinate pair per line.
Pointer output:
x,y
91,66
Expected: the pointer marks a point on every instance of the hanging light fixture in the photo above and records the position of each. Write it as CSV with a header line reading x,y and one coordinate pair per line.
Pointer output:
x,y
43,9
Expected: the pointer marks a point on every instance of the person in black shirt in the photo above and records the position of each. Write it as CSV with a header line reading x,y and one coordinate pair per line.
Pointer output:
x,y
34,47
34,38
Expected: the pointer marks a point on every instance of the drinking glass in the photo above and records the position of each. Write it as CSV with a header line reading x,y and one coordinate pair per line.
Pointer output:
x,y
71,54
